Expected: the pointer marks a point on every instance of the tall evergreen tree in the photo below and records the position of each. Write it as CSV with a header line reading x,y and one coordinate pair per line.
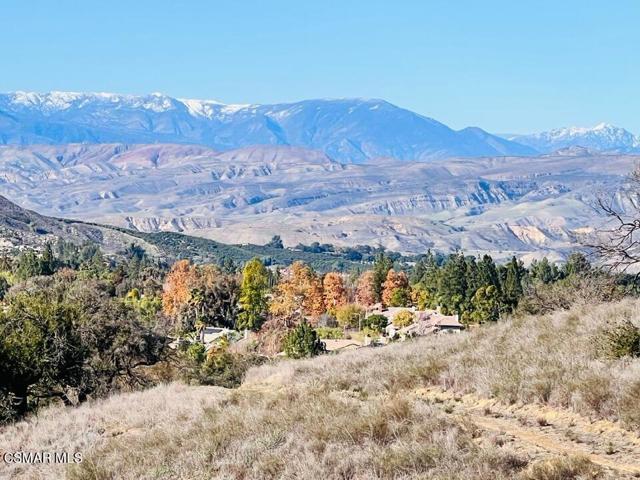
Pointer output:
x,y
576,264
452,284
512,288
381,268
488,272
544,271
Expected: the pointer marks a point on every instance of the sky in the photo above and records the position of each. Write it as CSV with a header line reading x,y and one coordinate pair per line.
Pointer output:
x,y
506,66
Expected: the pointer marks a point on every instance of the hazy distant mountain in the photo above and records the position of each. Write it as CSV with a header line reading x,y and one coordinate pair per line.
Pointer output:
x,y
502,205
602,137
348,130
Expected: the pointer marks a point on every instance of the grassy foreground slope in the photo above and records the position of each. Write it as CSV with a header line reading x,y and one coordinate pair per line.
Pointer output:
x,y
531,398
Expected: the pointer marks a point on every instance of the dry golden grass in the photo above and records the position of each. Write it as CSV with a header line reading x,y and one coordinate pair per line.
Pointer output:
x,y
355,415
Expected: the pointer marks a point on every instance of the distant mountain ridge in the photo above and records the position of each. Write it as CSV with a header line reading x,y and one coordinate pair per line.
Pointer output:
x,y
505,206
603,137
348,130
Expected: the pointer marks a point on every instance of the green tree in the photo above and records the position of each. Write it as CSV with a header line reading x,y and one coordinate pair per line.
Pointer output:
x,y
452,284
275,242
40,349
544,271
485,304
350,315
488,272
512,288
253,295
381,267
401,297
375,322
472,278
427,288
577,264
302,342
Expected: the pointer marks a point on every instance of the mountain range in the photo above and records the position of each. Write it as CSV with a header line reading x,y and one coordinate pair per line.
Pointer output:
x,y
602,137
347,130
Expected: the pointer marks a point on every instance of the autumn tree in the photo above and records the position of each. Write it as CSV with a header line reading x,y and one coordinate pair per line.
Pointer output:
x,y
314,299
365,290
404,318
253,295
297,294
176,290
335,294
395,290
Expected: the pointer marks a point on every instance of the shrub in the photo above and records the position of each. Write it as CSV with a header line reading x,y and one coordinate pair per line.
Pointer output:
x,y
623,340
404,318
303,341
226,369
217,367
369,332
564,468
629,411
350,315
332,333
375,322
196,352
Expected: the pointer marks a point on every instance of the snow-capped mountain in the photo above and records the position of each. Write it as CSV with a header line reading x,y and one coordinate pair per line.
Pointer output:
x,y
603,137
348,130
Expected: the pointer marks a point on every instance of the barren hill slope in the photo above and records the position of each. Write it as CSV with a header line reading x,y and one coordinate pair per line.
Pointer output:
x,y
502,205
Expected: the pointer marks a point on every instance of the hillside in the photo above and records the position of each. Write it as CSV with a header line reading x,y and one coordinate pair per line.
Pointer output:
x,y
21,228
529,399
529,207
350,130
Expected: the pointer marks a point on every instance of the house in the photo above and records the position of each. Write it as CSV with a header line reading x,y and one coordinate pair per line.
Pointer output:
x,y
389,312
210,335
433,323
426,322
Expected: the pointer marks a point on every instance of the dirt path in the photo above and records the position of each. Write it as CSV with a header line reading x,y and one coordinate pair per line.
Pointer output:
x,y
541,432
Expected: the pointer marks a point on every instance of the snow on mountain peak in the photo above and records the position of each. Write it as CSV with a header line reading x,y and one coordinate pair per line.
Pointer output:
x,y
603,137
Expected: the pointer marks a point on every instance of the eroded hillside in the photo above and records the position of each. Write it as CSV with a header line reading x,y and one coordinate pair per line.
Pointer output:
x,y
505,205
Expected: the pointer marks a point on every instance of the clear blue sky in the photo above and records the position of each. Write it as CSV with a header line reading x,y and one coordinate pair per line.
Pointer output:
x,y
507,66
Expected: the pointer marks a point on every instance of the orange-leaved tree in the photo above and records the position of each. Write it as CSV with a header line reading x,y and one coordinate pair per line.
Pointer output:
x,y
176,291
396,291
335,294
365,290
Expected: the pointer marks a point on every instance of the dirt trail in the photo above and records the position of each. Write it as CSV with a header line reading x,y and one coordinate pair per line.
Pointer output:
x,y
541,432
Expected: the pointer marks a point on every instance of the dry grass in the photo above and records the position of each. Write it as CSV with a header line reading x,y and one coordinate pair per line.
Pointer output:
x,y
551,360
354,415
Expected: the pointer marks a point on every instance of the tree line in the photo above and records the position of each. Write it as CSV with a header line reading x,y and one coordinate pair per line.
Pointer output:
x,y
75,324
